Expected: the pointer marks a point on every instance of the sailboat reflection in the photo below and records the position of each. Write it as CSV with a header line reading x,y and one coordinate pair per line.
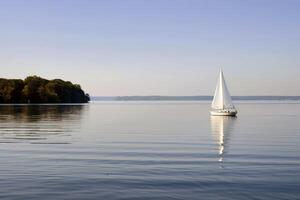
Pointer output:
x,y
222,127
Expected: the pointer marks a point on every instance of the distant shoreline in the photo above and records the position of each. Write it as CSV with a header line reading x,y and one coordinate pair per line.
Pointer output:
x,y
190,98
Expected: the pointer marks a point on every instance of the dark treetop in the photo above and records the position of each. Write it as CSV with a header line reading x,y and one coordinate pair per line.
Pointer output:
x,y
35,89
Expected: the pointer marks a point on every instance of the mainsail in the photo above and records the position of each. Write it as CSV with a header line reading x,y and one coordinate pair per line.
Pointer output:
x,y
222,99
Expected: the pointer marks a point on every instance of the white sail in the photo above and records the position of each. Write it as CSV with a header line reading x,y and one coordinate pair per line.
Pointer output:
x,y
222,99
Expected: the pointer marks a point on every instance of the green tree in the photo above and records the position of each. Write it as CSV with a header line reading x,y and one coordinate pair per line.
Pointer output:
x,y
35,89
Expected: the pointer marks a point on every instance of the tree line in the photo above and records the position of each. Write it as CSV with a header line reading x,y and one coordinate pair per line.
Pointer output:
x,y
35,89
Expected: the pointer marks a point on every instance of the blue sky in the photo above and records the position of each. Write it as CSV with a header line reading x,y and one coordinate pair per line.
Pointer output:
x,y
163,47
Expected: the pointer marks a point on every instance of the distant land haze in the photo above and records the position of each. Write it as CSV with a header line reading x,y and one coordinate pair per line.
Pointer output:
x,y
188,98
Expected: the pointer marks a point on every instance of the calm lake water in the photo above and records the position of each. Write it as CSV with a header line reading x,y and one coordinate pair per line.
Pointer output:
x,y
149,150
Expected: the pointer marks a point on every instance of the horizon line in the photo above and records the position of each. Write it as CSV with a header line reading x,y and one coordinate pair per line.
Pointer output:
x,y
192,95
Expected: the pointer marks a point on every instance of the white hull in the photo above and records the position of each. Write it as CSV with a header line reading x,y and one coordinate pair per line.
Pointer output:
x,y
223,112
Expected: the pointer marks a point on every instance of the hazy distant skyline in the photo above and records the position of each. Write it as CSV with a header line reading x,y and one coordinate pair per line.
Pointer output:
x,y
157,47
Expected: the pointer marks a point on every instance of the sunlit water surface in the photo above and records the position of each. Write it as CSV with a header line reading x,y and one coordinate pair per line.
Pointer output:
x,y
149,150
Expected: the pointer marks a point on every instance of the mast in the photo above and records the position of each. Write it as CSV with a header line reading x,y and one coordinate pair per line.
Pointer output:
x,y
222,86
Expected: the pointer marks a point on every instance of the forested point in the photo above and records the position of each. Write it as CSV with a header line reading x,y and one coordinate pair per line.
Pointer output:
x,y
35,89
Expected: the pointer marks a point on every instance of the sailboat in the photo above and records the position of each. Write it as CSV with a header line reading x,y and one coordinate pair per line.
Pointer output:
x,y
222,103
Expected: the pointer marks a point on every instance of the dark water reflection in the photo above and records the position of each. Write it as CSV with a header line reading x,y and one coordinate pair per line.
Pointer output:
x,y
36,123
